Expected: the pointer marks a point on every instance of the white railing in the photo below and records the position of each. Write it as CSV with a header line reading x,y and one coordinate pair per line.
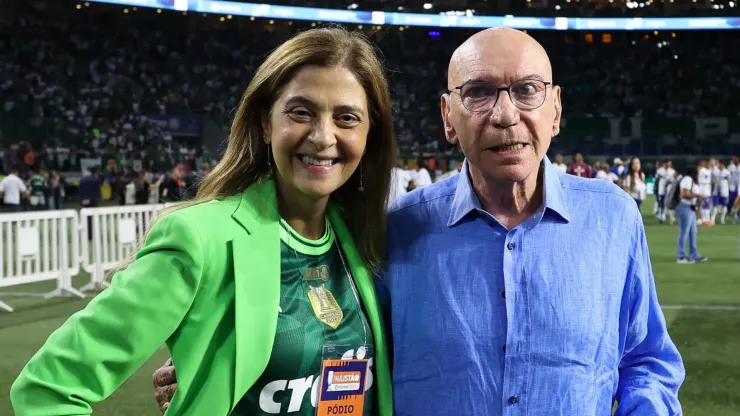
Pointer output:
x,y
57,245
109,236
39,246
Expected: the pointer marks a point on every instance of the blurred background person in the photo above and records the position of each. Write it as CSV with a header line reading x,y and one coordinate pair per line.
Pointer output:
x,y
722,199
603,173
90,195
172,187
691,195
400,179
13,190
663,177
618,167
704,180
57,191
559,165
38,188
579,167
142,188
420,176
634,182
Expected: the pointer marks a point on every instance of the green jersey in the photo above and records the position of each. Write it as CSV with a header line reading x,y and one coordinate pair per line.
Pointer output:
x,y
318,306
37,185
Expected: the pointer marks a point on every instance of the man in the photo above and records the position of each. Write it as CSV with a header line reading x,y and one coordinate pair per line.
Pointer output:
x,y
704,181
613,178
618,167
580,168
173,185
664,176
723,193
658,169
734,169
400,179
495,308
603,173
559,165
38,188
12,190
89,191
715,199
420,177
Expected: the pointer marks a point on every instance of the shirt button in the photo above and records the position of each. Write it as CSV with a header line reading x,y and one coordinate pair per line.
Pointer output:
x,y
513,400
511,246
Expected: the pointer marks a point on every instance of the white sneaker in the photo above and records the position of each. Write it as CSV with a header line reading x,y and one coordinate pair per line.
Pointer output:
x,y
685,260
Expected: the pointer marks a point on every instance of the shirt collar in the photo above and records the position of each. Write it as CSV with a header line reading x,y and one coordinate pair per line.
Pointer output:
x,y
466,200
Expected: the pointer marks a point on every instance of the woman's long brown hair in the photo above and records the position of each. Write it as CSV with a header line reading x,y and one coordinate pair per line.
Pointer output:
x,y
245,161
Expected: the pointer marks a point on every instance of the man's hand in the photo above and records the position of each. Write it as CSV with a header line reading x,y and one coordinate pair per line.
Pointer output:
x,y
165,384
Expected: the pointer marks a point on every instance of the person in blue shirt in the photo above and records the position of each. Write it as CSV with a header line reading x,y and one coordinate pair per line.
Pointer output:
x,y
514,289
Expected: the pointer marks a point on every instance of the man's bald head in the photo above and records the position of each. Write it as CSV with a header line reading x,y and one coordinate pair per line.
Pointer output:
x,y
507,44
503,134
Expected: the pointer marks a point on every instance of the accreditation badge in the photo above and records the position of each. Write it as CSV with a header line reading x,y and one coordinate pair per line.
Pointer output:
x,y
342,386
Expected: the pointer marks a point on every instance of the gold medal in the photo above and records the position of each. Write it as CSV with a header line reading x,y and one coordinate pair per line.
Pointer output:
x,y
325,306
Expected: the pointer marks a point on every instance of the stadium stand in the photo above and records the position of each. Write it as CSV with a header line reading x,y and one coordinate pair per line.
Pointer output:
x,y
96,80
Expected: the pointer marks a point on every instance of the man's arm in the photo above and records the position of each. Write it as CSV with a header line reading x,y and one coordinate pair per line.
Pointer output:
x,y
651,370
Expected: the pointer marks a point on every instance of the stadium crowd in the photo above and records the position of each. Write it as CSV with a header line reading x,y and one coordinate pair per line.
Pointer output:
x,y
83,83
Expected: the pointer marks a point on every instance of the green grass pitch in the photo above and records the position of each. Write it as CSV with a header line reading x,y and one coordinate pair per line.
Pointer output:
x,y
709,339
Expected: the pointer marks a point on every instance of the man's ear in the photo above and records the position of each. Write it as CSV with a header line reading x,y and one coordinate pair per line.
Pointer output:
x,y
446,106
558,110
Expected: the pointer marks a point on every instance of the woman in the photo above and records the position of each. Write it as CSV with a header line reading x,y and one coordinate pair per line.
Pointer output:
x,y
634,182
142,189
172,187
57,192
686,212
267,273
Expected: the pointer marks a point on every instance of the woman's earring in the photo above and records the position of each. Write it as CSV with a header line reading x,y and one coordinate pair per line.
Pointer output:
x,y
361,188
269,163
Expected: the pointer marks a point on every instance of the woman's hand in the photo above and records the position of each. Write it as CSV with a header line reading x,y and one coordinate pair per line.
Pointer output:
x,y
165,384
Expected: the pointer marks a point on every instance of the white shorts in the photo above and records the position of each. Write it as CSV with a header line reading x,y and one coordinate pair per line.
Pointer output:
x,y
37,200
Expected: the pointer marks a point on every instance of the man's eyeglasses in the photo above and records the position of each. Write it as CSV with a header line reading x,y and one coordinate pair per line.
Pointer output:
x,y
481,96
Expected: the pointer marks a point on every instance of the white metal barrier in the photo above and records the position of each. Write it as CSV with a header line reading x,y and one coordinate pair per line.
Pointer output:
x,y
39,246
48,245
109,236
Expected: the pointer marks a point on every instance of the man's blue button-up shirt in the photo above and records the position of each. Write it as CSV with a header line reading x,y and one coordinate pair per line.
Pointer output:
x,y
558,316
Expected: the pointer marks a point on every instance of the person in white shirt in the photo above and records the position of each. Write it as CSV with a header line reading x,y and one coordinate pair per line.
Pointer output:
x,y
634,182
400,179
734,169
559,165
13,189
671,180
714,201
704,180
421,175
723,194
618,167
130,192
603,173
656,206
663,177
611,175
691,195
